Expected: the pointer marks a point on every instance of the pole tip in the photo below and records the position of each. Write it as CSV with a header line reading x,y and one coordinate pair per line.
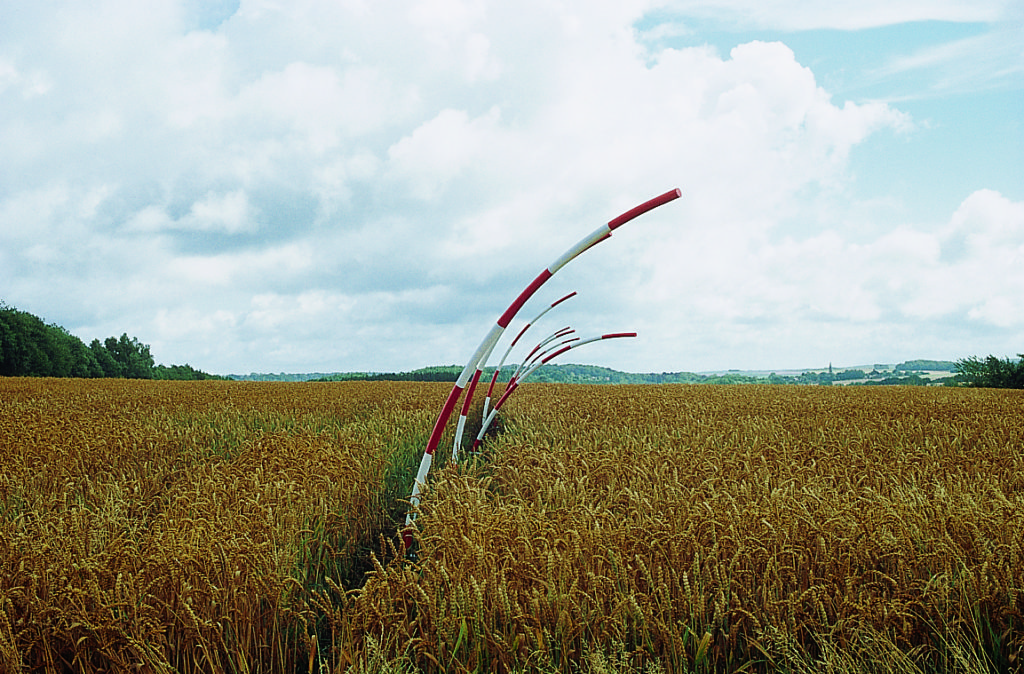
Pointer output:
x,y
407,538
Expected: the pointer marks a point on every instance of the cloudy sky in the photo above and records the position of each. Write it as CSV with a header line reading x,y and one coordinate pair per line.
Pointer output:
x,y
351,185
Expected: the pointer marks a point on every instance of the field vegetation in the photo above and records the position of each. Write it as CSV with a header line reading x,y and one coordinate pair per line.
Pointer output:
x,y
219,526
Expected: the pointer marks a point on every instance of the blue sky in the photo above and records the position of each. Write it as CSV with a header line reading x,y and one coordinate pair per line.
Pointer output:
x,y
340,185
964,101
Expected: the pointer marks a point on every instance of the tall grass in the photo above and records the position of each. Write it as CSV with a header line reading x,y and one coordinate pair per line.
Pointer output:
x,y
189,528
244,527
716,529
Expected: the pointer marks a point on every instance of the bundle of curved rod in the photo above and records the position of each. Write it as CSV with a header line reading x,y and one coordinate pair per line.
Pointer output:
x,y
517,378
474,367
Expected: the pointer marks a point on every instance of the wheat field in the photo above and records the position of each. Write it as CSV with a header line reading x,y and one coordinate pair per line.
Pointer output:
x,y
250,527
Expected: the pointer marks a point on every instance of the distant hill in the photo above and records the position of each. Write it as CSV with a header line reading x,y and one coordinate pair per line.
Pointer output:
x,y
282,376
558,373
915,372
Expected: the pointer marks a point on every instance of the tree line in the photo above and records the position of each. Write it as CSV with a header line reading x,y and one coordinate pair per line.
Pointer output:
x,y
29,347
991,372
436,373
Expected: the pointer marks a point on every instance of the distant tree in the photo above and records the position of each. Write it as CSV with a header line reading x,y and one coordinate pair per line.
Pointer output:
x,y
24,344
132,357
731,378
991,372
181,373
104,359
31,348
80,360
933,365
909,380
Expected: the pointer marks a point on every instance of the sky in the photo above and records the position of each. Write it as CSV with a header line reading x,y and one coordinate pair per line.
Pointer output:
x,y
346,185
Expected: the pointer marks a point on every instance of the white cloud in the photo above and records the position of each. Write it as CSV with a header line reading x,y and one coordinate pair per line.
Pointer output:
x,y
8,75
271,312
316,104
286,176
992,60
989,221
229,213
28,85
444,22
480,65
25,216
440,149
881,290
189,324
247,268
149,219
196,84
841,14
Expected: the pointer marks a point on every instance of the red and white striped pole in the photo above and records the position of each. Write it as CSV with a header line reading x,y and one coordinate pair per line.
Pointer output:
x,y
540,351
501,363
487,345
476,378
469,397
513,385
465,412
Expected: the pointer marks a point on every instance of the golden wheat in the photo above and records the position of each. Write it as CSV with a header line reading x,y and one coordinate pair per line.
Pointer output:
x,y
212,526
174,527
722,527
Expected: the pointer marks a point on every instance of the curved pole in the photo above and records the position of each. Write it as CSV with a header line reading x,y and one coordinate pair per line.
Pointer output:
x,y
476,378
515,384
465,406
483,351
494,378
464,413
469,396
538,351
